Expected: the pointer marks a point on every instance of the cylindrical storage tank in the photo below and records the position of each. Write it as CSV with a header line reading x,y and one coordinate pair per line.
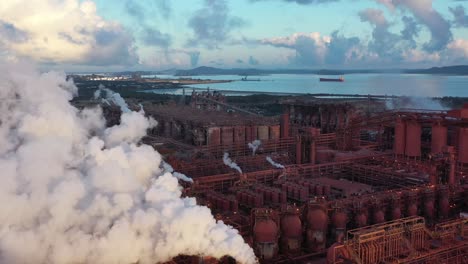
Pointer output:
x,y
226,204
400,137
316,229
295,192
176,130
219,203
291,233
244,198
251,200
214,136
265,232
167,128
187,135
284,125
248,134
463,145
444,203
274,132
413,139
396,209
298,150
284,197
267,195
360,219
263,132
258,200
239,135
378,216
227,135
303,193
439,138
254,132
234,206
318,190
239,196
311,188
412,207
275,197
429,205
339,221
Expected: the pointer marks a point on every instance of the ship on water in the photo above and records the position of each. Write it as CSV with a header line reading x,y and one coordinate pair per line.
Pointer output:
x,y
341,79
245,79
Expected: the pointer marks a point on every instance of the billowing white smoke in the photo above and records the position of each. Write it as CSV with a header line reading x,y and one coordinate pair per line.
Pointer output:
x,y
178,175
69,195
228,162
133,125
415,103
108,96
254,145
272,162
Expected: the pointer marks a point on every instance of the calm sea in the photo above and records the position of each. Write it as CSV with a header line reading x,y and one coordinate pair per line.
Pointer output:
x,y
420,85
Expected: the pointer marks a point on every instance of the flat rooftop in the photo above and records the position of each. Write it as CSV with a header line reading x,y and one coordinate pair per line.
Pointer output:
x,y
206,118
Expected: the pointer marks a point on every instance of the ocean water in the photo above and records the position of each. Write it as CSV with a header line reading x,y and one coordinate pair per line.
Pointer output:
x,y
419,85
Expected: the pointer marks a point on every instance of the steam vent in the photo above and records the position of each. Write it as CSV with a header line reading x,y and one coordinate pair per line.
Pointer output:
x,y
326,180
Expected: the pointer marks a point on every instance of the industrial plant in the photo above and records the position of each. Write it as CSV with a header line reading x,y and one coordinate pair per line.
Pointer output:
x,y
330,180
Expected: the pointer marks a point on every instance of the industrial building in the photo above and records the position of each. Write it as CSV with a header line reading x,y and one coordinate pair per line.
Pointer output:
x,y
328,181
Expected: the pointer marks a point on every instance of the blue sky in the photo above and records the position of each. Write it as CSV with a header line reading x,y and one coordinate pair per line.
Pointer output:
x,y
161,34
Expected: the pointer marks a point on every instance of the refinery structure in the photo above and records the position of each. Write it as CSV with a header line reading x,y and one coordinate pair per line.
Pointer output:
x,y
329,181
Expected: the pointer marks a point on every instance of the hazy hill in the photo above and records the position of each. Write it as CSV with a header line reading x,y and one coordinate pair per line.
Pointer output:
x,y
203,70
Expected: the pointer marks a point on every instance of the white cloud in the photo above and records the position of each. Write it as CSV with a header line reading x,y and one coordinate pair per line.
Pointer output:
x,y
458,48
68,31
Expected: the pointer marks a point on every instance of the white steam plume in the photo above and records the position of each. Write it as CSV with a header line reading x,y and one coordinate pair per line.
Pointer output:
x,y
228,162
254,145
67,196
178,175
111,97
276,165
415,102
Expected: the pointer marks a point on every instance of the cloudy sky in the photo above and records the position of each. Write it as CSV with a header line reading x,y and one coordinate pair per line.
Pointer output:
x,y
81,35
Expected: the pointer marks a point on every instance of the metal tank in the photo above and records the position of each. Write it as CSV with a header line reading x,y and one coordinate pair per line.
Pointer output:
x,y
395,207
316,219
227,135
378,215
239,135
444,203
413,139
265,233
284,125
361,215
263,133
439,138
291,230
275,132
400,137
339,220
429,201
463,145
412,206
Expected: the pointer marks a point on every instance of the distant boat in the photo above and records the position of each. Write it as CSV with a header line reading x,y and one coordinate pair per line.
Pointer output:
x,y
249,80
341,79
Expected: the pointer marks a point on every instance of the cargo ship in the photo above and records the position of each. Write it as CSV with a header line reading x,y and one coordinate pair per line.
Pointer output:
x,y
341,79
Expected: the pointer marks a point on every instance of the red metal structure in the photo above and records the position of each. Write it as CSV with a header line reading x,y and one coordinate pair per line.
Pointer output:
x,y
355,184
